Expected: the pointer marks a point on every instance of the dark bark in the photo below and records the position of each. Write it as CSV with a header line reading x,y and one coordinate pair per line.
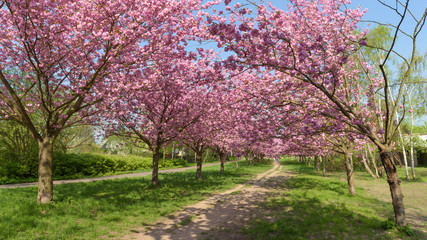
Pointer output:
x,y
396,158
394,184
45,171
222,167
222,159
381,171
155,175
164,157
324,166
350,172
199,165
316,163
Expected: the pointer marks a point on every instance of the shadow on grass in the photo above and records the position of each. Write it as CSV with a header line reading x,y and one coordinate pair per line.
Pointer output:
x,y
129,191
90,210
313,207
310,170
310,218
313,184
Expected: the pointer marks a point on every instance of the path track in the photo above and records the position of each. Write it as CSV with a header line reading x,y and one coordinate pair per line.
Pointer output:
x,y
129,175
219,217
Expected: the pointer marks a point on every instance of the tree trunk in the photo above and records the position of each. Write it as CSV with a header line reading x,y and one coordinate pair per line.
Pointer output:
x,y
222,167
173,150
368,169
412,148
222,159
381,171
45,171
395,189
206,156
237,163
366,164
164,156
350,171
374,162
396,157
376,169
323,166
413,162
199,165
155,175
404,155
316,163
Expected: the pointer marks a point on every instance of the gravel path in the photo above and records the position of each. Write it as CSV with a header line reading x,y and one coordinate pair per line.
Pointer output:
x,y
129,175
221,216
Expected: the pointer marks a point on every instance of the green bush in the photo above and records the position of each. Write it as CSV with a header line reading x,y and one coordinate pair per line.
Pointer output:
x,y
69,165
72,165
177,162
11,167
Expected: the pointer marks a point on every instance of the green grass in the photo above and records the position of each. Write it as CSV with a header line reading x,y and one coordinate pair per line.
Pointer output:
x,y
110,208
313,207
420,172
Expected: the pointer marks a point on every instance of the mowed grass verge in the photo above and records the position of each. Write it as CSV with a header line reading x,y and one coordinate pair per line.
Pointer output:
x,y
111,208
310,206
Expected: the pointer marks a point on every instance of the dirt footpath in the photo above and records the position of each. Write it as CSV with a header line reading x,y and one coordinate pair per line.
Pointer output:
x,y
128,175
219,217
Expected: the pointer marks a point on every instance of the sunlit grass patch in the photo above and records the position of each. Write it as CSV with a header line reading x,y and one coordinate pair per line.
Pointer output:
x,y
110,207
311,206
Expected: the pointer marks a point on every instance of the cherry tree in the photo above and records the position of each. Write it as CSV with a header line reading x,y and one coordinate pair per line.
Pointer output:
x,y
199,135
294,113
57,57
160,101
315,42
280,114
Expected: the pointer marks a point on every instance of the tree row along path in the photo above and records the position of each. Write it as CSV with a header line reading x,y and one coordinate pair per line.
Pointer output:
x,y
129,175
221,216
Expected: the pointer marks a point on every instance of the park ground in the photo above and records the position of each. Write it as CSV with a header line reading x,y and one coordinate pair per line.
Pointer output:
x,y
261,201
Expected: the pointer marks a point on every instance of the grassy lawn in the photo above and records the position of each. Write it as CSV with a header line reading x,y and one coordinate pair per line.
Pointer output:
x,y
110,208
310,206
